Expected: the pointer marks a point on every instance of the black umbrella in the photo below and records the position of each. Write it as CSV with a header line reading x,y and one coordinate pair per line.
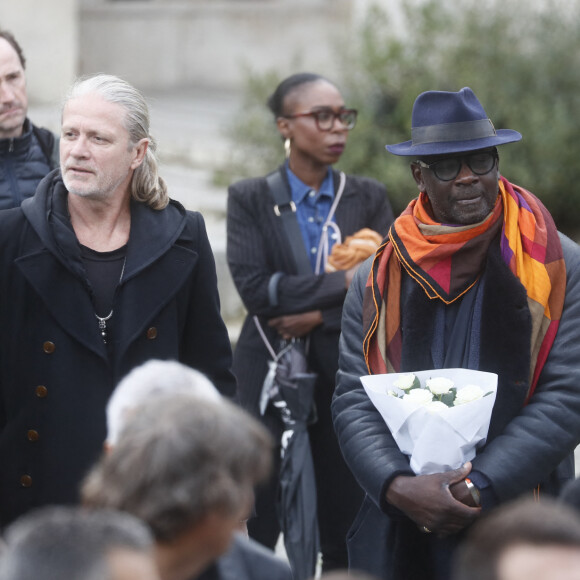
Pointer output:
x,y
291,391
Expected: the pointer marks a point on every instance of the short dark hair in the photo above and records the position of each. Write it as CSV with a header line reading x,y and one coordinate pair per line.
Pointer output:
x,y
276,100
522,522
9,38
65,542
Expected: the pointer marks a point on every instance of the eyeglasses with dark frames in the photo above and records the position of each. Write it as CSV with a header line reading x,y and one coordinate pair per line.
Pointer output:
x,y
325,118
447,169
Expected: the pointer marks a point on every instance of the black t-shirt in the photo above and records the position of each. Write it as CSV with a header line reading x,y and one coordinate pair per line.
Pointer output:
x,y
104,271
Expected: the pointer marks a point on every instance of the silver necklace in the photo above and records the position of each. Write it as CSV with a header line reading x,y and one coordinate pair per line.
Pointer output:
x,y
102,321
103,325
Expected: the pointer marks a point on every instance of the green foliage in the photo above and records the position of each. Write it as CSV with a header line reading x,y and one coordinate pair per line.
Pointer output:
x,y
449,398
257,147
522,64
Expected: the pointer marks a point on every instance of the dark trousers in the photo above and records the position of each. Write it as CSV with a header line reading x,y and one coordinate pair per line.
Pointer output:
x,y
338,495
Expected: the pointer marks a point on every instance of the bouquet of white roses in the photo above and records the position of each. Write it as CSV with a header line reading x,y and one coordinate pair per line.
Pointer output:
x,y
438,417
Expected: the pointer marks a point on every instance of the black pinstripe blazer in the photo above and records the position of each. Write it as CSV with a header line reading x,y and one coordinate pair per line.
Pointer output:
x,y
258,248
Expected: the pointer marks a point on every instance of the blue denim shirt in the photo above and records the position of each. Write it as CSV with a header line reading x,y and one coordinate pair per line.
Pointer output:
x,y
312,208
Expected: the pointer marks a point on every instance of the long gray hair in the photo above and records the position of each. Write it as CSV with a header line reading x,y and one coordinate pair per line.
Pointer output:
x,y
146,186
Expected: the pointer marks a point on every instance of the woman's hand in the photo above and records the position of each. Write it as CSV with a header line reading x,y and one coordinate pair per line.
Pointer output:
x,y
296,325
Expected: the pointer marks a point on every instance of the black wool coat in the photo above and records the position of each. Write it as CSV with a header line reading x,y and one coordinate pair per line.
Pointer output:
x,y
258,248
56,374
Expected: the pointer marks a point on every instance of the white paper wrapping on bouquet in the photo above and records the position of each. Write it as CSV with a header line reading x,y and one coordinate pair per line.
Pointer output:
x,y
441,441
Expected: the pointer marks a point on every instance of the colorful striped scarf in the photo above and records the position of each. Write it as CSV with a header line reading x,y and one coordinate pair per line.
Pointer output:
x,y
446,262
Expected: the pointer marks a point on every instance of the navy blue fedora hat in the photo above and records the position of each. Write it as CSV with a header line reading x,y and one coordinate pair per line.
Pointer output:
x,y
445,122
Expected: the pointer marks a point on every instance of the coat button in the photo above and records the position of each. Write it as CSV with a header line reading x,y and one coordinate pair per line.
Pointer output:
x,y
25,481
152,333
32,435
48,347
41,391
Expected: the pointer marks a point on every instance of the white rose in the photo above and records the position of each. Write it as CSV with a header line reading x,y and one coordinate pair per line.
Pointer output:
x,y
436,407
405,381
418,396
467,394
439,385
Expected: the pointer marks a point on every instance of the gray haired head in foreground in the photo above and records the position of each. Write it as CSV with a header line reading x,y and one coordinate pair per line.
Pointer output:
x,y
58,543
178,459
149,380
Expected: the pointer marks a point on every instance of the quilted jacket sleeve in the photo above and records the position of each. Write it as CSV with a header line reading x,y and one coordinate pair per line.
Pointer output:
x,y
547,429
366,443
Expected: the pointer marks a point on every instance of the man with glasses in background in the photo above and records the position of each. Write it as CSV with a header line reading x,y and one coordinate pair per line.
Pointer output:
x,y
473,275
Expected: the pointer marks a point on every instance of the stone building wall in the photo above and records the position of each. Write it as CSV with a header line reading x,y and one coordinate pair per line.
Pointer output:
x,y
47,30
211,43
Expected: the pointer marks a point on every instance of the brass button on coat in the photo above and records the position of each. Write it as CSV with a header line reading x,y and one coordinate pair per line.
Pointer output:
x,y
32,435
48,347
41,391
26,481
152,333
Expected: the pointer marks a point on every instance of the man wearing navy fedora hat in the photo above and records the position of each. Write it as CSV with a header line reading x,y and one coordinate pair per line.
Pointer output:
x,y
473,274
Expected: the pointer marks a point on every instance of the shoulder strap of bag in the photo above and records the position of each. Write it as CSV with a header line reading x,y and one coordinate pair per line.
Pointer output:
x,y
323,246
285,209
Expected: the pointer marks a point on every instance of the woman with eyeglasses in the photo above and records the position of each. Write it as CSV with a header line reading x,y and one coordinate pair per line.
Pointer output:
x,y
281,231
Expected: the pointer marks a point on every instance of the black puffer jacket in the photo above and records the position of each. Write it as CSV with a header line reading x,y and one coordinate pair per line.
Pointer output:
x,y
24,161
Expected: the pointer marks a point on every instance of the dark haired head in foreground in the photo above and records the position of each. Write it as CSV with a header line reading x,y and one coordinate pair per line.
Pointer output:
x,y
525,540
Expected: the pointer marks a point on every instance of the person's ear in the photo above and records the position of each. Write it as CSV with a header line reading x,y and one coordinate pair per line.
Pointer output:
x,y
284,127
140,151
418,176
